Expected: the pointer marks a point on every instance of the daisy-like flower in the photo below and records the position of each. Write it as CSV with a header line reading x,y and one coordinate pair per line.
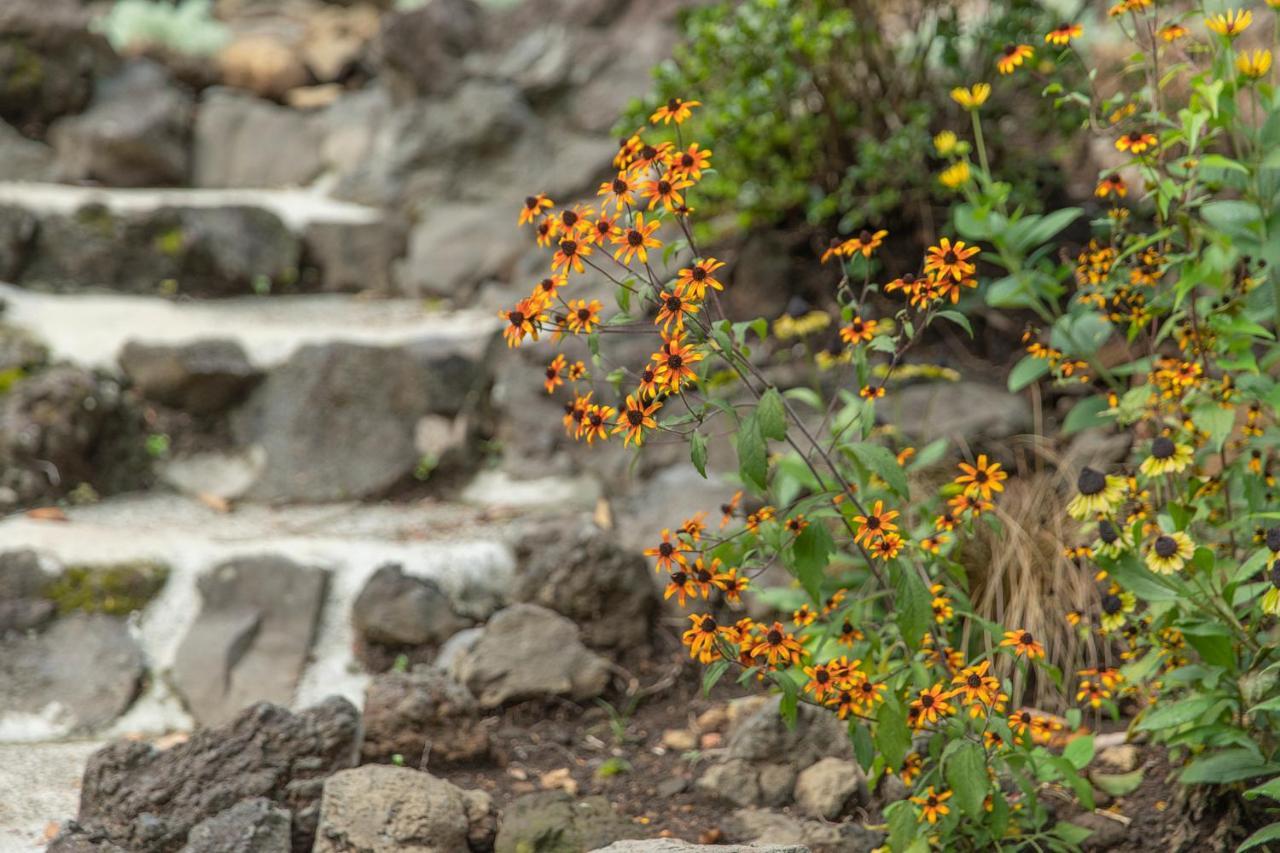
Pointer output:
x,y
871,392
977,688
675,109
1092,693
931,706
867,693
1111,185
692,282
1166,458
525,319
533,207
1097,494
574,414
1019,722
729,509
650,156
760,516
776,646
1169,552
689,163
621,190
569,255
669,554
1012,56
672,309
849,634
887,546
667,191
1110,542
703,574
912,765
942,609
875,524
945,142
864,241
603,228
648,386
973,97
681,585
636,416
947,260
673,363
796,524
583,316
1136,141
1173,32
702,635
822,682
858,330
1062,34
544,292
1115,605
637,240
1253,63
628,148
1271,598
577,371
731,584
981,478
596,422
932,805
555,373
956,175
1230,23
694,526
803,615
1023,643
1109,676
933,544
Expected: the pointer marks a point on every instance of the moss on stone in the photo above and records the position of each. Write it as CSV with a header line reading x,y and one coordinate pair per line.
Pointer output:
x,y
115,589
170,242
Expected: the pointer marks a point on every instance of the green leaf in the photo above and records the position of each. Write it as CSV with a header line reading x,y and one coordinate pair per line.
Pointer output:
x,y
1026,371
1079,752
1216,421
884,464
753,453
959,319
1072,777
1230,765
1072,833
1270,832
1269,789
1180,713
914,606
966,774
892,736
714,671
698,452
812,550
1233,217
772,415
1118,784
1217,161
1086,414
864,749
901,818
1080,335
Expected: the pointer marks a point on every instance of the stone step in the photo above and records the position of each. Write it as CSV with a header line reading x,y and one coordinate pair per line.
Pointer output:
x,y
463,550
91,329
200,242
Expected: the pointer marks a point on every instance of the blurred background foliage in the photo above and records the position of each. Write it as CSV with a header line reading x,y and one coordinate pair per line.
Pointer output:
x,y
822,112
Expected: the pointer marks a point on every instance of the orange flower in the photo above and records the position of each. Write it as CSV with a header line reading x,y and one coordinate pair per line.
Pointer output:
x,y
651,156
577,371
602,229
554,370
583,316
534,205
946,260
931,706
1022,643
832,250
858,330
628,149
692,282
569,255
648,386
596,422
875,524
933,804
981,478
673,363
1173,32
621,189
868,392
681,585
1112,184
575,413
669,553
690,162
822,681
666,190
865,242
887,546
675,109
1062,34
546,231
636,240
1012,56
525,319
635,417
672,309
1136,142
776,646
694,526
796,524
702,635
731,585
728,510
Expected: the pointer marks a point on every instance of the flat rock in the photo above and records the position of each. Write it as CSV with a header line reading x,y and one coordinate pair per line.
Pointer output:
x,y
250,826
425,717
84,667
554,822
24,603
147,800
383,809
400,610
831,788
252,638
202,377
528,652
230,129
579,571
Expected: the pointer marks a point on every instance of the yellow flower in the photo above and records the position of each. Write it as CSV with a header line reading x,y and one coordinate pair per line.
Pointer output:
x,y
1271,598
944,143
1098,494
1254,64
973,97
1169,552
1230,23
956,175
1166,458
933,804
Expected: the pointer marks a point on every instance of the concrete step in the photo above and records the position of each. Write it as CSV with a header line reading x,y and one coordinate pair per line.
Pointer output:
x,y
91,329
202,242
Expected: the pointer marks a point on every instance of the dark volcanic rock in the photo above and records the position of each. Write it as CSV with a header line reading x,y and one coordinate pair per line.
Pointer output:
x,y
85,663
201,377
554,821
578,570
252,637
421,51
400,610
424,716
250,826
147,801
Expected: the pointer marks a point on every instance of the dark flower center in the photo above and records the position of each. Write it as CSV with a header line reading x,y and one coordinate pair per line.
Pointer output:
x,y
1273,539
926,701
974,681
933,801
864,236
1275,574
1166,546
635,238
1091,482
619,186
673,104
1010,49
675,362
1107,532
821,676
568,218
1026,639
552,372
873,522
774,637
584,314
647,376
1111,604
679,578
648,152
866,687
980,476
595,419
687,160
516,318
673,303
1162,447
666,549
548,284
530,202
846,628
569,247
908,279
635,417
950,257
708,624
702,575
664,187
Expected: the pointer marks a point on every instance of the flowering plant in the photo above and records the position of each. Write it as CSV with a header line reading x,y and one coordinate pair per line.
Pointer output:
x,y
885,637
